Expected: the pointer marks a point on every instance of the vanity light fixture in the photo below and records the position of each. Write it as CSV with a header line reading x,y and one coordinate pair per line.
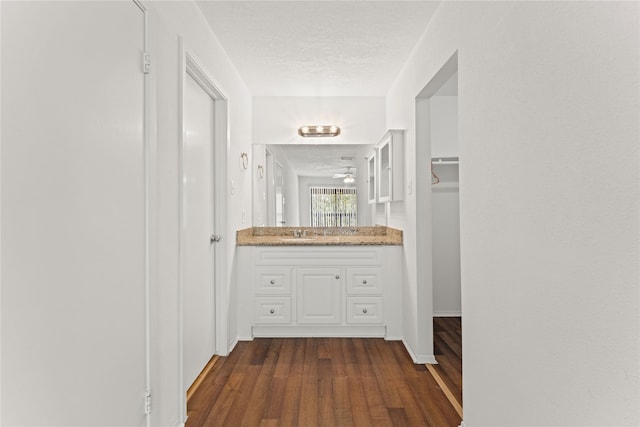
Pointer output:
x,y
318,130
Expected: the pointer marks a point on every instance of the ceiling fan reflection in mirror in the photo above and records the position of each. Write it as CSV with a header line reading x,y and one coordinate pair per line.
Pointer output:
x,y
349,175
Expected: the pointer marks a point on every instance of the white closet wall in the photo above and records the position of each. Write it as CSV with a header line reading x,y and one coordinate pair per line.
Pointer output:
x,y
445,204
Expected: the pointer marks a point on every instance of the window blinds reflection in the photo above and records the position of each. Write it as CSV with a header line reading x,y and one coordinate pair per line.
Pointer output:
x,y
334,207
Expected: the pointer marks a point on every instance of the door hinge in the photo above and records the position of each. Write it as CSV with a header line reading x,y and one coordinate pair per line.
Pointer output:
x,y
146,62
147,402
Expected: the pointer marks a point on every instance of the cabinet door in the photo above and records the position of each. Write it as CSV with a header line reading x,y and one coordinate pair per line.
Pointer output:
x,y
319,291
385,160
390,172
371,178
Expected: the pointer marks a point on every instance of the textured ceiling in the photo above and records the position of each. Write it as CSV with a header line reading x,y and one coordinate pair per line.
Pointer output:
x,y
324,160
318,48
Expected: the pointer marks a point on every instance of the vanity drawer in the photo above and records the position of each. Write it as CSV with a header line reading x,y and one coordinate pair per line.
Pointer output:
x,y
269,310
364,310
364,281
273,281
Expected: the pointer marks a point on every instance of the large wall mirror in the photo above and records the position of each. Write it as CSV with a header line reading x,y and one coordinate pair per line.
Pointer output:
x,y
305,185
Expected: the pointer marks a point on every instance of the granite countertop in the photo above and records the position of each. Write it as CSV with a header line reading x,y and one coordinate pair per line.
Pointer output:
x,y
319,236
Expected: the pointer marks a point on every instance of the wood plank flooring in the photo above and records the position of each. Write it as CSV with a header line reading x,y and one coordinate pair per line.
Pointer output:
x,y
316,382
447,346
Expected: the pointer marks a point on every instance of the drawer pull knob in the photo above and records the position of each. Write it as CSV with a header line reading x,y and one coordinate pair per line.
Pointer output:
x,y
272,311
337,276
364,310
273,282
364,282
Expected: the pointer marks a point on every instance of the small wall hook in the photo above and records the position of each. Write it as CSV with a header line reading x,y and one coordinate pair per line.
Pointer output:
x,y
260,171
245,160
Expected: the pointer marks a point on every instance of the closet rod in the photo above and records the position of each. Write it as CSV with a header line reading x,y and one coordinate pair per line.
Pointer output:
x,y
445,160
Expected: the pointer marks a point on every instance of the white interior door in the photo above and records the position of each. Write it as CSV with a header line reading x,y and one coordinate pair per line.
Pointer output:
x,y
73,214
198,287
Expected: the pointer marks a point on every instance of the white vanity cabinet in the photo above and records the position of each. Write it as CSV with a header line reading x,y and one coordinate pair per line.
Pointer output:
x,y
336,290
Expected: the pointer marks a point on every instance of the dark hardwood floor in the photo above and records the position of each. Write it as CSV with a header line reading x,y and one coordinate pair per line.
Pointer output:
x,y
447,342
333,382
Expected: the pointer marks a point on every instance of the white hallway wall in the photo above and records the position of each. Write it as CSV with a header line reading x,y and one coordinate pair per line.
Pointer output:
x,y
168,21
548,103
72,231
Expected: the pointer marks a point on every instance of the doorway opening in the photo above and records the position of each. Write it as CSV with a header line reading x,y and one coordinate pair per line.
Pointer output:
x,y
270,191
279,192
438,222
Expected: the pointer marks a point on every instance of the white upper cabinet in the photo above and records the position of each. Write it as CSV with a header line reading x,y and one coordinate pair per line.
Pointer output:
x,y
372,195
390,171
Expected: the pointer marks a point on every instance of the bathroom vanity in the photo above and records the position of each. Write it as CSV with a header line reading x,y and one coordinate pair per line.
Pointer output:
x,y
319,282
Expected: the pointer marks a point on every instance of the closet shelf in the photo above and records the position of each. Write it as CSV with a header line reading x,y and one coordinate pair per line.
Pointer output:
x,y
445,160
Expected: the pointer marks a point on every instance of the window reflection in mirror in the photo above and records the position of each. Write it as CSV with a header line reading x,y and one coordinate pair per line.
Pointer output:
x,y
282,195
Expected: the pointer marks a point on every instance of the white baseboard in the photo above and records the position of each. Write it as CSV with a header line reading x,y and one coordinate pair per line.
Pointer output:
x,y
276,331
179,424
462,424
391,338
420,359
232,345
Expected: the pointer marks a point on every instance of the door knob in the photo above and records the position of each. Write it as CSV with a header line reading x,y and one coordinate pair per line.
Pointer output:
x,y
215,238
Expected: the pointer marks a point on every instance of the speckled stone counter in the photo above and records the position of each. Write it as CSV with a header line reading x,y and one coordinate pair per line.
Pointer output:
x,y
318,236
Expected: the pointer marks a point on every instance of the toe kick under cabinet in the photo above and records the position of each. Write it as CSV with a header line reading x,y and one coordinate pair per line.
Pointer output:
x,y
319,291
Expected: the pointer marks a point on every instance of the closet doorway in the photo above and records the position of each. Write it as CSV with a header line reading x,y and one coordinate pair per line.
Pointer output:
x,y
438,219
